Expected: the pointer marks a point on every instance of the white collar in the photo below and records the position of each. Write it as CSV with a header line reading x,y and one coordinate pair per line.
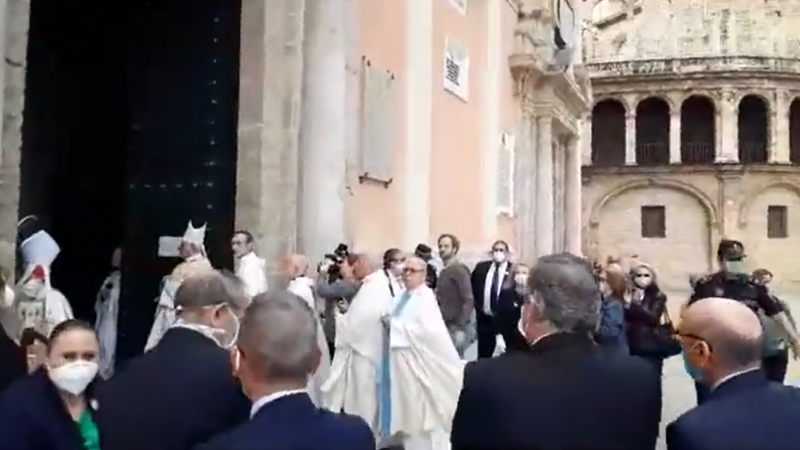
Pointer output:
x,y
194,257
731,376
258,404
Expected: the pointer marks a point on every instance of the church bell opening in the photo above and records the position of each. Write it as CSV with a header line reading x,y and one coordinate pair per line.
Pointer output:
x,y
129,132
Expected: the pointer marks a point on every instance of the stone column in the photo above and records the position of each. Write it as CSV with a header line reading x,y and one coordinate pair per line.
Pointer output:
x,y
675,137
353,104
585,146
544,186
630,139
270,76
323,133
728,152
15,19
525,187
573,203
779,151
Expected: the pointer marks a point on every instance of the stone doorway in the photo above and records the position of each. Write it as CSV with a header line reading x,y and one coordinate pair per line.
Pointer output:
x,y
129,131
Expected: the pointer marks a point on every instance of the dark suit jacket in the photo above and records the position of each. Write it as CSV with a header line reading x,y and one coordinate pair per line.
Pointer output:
x,y
746,412
179,394
564,393
33,417
294,423
507,306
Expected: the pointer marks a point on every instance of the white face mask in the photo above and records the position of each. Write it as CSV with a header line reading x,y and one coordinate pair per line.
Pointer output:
x,y
499,257
32,288
224,338
73,377
642,280
521,278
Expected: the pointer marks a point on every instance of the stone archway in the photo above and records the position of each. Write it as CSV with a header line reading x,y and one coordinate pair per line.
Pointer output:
x,y
747,203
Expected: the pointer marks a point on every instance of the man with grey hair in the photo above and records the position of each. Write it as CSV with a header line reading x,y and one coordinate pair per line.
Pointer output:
x,y
276,352
722,348
181,392
563,379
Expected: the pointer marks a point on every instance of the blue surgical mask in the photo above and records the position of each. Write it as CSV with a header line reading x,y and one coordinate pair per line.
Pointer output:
x,y
693,372
736,266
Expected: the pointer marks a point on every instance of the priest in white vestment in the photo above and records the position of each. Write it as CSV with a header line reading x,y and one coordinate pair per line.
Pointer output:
x,y
251,269
106,310
353,383
192,249
38,305
295,267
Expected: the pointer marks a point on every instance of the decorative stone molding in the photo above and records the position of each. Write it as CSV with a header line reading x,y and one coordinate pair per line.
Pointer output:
x,y
710,66
751,196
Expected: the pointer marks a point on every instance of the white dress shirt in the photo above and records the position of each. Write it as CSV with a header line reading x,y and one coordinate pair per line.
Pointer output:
x,y
258,404
487,284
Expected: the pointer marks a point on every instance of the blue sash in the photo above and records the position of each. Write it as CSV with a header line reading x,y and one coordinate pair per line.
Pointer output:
x,y
385,382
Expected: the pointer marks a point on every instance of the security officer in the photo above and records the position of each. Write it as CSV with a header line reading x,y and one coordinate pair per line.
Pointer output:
x,y
734,282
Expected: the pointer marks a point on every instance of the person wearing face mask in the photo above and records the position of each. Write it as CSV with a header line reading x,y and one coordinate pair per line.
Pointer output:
x,y
275,353
494,292
454,294
611,333
565,391
733,281
359,341
722,346
181,393
54,407
776,351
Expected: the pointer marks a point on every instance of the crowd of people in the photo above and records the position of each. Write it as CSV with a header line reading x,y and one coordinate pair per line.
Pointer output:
x,y
367,354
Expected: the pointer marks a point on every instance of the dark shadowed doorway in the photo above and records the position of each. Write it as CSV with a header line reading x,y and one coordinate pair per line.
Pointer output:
x,y
129,132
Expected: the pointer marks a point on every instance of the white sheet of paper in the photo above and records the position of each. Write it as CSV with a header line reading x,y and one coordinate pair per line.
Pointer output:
x,y
169,246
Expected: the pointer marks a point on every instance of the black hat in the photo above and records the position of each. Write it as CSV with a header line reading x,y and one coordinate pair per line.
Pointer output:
x,y
730,250
423,250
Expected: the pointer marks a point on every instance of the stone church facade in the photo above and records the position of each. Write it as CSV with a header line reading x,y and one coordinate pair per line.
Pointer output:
x,y
694,134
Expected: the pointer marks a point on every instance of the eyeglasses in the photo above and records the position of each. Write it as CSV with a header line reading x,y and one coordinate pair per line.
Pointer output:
x,y
693,337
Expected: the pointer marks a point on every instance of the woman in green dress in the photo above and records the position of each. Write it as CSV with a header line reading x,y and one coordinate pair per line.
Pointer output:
x,y
52,408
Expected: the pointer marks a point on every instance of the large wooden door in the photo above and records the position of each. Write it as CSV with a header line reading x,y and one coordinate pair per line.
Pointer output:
x,y
183,77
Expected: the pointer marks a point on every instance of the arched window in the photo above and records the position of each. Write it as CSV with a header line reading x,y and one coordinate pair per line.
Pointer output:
x,y
652,132
608,133
794,132
698,131
753,130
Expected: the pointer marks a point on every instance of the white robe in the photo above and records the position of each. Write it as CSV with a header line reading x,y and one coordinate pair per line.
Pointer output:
x,y
302,287
425,371
352,385
37,305
106,308
252,270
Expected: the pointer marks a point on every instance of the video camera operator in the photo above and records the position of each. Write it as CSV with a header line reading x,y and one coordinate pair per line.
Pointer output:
x,y
336,283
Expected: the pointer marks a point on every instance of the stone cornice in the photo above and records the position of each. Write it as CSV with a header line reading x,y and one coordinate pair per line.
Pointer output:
x,y
731,67
720,170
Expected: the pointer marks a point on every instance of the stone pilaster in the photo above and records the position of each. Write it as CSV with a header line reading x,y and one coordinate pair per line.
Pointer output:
x,y
573,202
525,187
675,136
630,139
15,19
323,131
779,150
270,80
544,186
728,151
586,140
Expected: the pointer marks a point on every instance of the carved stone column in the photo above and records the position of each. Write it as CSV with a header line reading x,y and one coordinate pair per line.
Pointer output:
x,y
585,145
779,129
525,186
729,130
544,186
675,136
573,203
630,139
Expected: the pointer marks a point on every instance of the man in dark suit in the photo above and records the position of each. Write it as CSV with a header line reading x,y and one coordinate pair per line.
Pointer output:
x,y
565,392
182,392
276,351
496,302
722,345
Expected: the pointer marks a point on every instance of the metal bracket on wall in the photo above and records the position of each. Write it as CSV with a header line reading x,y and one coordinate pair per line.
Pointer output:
x,y
364,178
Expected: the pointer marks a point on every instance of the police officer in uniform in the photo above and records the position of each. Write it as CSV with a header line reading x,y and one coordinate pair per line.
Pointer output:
x,y
733,281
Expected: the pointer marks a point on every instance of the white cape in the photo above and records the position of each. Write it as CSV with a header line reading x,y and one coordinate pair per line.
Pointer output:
x,y
106,308
302,288
426,371
352,385
165,312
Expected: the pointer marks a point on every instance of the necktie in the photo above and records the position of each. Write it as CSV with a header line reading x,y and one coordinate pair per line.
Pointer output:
x,y
495,288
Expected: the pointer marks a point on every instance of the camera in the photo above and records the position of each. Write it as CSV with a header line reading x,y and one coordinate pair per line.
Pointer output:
x,y
336,258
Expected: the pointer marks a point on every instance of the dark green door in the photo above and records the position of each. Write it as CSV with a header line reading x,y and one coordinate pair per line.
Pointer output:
x,y
183,85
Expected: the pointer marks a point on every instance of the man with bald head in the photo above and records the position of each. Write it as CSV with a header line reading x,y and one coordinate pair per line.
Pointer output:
x,y
276,352
722,349
181,392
